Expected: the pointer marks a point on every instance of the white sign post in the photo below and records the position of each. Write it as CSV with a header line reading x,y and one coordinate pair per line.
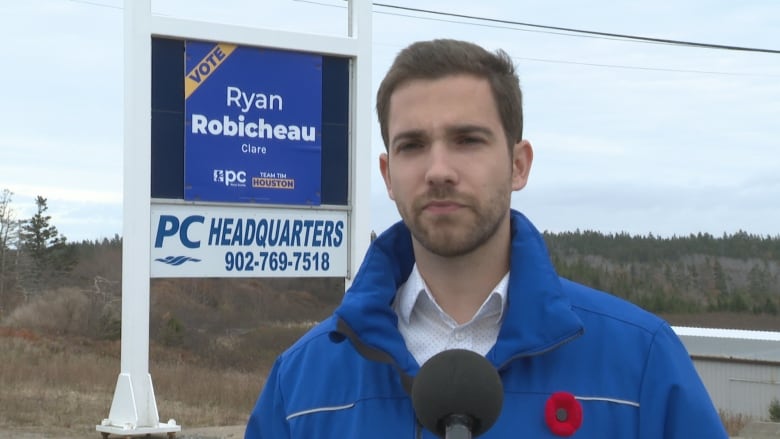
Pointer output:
x,y
341,235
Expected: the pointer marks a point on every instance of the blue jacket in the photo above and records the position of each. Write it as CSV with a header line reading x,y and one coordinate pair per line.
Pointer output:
x,y
346,378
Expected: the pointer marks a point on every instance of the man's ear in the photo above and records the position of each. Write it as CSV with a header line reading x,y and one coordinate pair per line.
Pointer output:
x,y
384,168
522,157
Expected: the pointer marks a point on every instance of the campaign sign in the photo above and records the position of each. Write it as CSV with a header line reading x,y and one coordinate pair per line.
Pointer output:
x,y
253,125
221,241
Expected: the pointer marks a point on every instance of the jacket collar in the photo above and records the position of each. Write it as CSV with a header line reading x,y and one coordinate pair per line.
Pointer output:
x,y
538,316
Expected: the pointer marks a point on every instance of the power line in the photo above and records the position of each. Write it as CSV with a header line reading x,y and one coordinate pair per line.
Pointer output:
x,y
657,69
582,31
504,24
492,26
102,5
566,30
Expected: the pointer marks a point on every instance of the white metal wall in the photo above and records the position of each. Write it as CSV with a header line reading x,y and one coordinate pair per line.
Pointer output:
x,y
740,387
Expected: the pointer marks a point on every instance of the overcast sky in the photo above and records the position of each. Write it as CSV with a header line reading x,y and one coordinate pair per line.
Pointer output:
x,y
628,136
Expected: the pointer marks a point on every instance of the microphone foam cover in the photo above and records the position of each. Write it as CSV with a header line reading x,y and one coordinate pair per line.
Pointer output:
x,y
457,382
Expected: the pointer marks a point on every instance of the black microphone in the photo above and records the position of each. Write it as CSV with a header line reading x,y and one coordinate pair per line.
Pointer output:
x,y
457,393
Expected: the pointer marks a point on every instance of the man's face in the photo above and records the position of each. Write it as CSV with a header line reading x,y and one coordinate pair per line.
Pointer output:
x,y
448,166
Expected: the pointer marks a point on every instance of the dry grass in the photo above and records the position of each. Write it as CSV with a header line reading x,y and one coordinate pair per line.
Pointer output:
x,y
69,384
203,397
734,423
60,376
64,310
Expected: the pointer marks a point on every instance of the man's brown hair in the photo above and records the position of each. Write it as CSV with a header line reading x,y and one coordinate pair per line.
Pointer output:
x,y
439,58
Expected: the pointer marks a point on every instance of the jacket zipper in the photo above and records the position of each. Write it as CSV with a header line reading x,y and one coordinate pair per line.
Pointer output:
x,y
504,365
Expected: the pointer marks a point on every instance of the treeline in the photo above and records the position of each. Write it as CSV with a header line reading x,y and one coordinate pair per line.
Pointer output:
x,y
643,248
737,272
36,258
33,254
697,273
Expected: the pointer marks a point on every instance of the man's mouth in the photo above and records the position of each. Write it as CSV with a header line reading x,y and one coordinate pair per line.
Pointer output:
x,y
441,206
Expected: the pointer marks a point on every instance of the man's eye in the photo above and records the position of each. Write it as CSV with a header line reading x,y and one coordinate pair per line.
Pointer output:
x,y
468,140
406,146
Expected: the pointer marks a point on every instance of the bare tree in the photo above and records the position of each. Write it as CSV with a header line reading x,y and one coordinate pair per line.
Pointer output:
x,y
8,226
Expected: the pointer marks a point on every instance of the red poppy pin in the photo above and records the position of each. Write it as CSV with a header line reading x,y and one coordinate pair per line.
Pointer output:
x,y
563,413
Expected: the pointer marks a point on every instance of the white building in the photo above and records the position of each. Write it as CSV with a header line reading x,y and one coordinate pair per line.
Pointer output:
x,y
740,368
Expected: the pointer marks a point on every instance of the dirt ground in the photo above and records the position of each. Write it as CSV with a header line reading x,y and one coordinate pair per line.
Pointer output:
x,y
228,432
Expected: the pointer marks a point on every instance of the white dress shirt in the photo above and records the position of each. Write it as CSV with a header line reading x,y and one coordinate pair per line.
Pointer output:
x,y
428,330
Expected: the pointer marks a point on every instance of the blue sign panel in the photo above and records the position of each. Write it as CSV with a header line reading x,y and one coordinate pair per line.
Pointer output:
x,y
253,125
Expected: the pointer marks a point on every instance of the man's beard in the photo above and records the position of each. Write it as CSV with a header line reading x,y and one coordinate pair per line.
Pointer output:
x,y
457,234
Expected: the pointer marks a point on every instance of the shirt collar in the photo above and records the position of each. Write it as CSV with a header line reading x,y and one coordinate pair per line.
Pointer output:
x,y
410,292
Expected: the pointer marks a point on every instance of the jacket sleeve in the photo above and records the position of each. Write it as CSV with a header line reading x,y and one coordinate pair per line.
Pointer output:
x,y
674,404
268,419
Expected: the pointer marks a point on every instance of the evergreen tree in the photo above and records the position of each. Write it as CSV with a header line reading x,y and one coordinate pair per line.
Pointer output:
x,y
720,277
47,255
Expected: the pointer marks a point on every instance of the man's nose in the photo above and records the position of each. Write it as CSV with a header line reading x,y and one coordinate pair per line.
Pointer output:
x,y
441,167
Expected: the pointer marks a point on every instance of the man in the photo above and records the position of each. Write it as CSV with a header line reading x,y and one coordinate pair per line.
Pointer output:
x,y
463,270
